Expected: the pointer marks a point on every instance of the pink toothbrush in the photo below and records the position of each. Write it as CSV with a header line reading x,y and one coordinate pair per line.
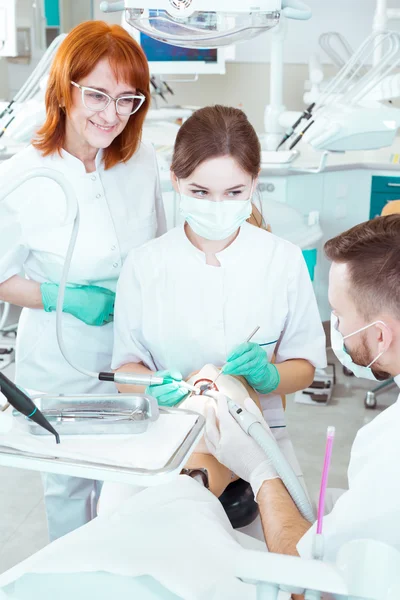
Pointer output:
x,y
324,480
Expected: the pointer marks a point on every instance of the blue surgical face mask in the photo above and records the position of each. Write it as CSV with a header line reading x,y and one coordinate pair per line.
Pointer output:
x,y
215,220
337,342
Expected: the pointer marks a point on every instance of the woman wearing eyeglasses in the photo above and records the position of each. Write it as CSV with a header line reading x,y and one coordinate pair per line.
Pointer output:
x,y
96,101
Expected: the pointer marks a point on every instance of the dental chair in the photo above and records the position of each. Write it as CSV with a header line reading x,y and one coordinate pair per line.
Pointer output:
x,y
370,401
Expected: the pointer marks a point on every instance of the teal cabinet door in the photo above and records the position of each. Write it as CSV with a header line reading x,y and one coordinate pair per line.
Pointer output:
x,y
383,190
52,12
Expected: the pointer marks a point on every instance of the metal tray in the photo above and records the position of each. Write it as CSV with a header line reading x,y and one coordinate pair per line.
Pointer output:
x,y
10,457
94,414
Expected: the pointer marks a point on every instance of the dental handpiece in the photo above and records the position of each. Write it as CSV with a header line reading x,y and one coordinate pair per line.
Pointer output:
x,y
132,378
23,404
142,379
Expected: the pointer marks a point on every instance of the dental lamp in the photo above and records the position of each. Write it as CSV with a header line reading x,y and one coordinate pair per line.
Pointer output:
x,y
197,23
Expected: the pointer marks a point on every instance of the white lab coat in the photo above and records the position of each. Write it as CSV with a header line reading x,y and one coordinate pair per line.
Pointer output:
x,y
119,209
173,311
370,508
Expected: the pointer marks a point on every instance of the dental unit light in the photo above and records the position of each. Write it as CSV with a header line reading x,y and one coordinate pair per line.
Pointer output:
x,y
206,23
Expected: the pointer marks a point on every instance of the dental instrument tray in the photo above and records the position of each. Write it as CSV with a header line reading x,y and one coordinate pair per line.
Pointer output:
x,y
94,414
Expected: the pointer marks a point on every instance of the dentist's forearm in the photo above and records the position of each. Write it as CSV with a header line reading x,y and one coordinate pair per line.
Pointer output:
x,y
282,523
132,368
296,374
21,292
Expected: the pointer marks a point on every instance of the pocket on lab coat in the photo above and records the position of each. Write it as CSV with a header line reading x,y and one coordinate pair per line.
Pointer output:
x,y
138,231
32,328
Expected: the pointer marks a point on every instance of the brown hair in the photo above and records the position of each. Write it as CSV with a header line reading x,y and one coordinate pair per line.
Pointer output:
x,y
82,49
216,131
371,251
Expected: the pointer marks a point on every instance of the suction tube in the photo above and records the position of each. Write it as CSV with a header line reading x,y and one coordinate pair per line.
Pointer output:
x,y
254,429
24,404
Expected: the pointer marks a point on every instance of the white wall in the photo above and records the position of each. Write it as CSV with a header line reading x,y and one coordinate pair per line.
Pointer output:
x,y
3,78
18,73
352,18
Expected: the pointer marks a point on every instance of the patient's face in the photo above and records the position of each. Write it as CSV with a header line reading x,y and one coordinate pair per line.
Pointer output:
x,y
232,387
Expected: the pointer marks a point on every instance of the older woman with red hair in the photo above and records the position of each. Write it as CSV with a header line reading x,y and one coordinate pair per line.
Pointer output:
x,y
97,98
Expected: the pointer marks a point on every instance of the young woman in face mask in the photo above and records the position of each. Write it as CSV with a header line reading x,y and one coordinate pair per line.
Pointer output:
x,y
194,295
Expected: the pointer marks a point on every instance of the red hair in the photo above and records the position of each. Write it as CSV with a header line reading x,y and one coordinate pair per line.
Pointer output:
x,y
82,49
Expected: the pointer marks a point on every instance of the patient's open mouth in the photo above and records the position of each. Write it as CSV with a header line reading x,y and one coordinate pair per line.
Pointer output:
x,y
203,381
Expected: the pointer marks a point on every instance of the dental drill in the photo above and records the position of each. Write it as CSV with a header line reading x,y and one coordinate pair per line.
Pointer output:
x,y
250,425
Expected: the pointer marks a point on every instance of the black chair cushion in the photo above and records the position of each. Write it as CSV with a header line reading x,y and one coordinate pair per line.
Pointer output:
x,y
239,504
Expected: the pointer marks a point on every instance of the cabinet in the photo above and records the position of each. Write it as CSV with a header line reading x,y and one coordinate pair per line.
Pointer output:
x,y
383,190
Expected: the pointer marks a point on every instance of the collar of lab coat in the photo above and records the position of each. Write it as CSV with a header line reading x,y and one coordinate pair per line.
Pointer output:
x,y
397,380
75,163
229,255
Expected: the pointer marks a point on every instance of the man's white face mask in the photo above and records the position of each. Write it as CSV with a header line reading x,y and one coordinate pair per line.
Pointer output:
x,y
215,220
337,341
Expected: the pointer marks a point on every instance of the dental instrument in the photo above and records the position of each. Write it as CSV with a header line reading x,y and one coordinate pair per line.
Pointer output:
x,y
250,425
23,404
304,115
190,387
125,414
330,436
318,548
209,386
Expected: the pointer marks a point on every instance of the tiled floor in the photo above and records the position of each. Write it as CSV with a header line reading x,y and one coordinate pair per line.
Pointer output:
x,y
23,524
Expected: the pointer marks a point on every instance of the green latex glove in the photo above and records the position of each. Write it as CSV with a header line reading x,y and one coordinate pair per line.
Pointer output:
x,y
251,361
170,392
89,303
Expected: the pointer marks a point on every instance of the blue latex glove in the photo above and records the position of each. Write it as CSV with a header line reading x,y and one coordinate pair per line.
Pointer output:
x,y
89,303
170,392
251,361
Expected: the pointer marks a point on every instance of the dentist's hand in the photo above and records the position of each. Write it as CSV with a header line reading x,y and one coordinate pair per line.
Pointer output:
x,y
170,392
251,361
233,447
91,304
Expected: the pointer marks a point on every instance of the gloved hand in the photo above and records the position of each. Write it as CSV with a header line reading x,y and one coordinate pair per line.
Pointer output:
x,y
170,392
89,303
251,361
233,447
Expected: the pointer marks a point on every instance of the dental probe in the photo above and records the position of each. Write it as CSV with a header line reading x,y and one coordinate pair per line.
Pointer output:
x,y
253,333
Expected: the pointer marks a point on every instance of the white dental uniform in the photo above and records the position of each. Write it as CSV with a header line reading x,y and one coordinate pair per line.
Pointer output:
x,y
370,508
120,208
173,311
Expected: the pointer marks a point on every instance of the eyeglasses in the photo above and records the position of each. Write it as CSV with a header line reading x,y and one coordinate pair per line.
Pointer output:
x,y
97,101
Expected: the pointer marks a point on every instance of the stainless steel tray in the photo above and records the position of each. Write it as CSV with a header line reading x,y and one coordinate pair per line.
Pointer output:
x,y
94,414
10,457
